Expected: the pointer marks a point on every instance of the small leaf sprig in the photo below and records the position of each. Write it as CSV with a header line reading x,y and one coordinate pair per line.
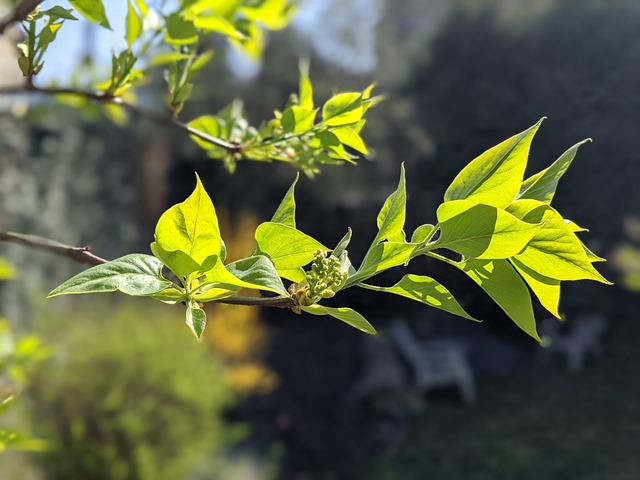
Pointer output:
x,y
501,227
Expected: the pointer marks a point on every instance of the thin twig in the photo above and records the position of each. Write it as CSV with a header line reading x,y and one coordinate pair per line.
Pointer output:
x,y
83,255
20,13
79,254
155,116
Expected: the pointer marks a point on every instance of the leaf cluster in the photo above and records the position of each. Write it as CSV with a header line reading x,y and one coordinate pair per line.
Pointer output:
x,y
494,225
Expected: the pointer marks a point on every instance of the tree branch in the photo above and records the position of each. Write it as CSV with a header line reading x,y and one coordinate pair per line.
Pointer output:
x,y
83,255
79,254
99,97
24,8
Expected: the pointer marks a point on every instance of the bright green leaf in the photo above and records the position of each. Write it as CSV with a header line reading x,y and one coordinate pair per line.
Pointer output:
x,y
213,22
191,227
482,231
286,211
133,24
296,119
342,244
177,261
287,247
92,10
342,109
503,284
382,257
425,290
554,251
542,186
59,12
305,95
273,14
349,137
392,216
6,269
135,274
546,289
206,124
422,233
494,178
345,314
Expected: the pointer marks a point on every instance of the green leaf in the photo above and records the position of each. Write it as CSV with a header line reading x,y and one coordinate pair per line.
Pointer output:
x,y
425,290
59,12
546,289
273,14
554,251
180,31
391,218
542,186
171,295
206,124
503,284
196,319
345,314
482,231
422,233
217,23
494,178
191,227
287,247
342,109
305,95
259,272
177,261
296,119
382,257
349,137
92,10
286,211
133,24
135,274
342,244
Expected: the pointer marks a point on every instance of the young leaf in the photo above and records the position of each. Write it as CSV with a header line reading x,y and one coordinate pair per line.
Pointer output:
x,y
425,290
191,227
196,319
542,186
305,95
133,24
382,257
506,288
178,262
257,272
342,109
494,178
286,211
135,274
349,137
287,247
180,31
296,119
554,251
342,244
546,289
391,218
56,12
482,231
345,314
422,233
92,10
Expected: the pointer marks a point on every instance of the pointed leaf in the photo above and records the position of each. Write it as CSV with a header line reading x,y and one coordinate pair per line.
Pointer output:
x,y
345,314
178,262
286,212
554,251
506,288
296,119
494,178
546,289
425,290
191,227
422,233
305,95
482,231
92,10
259,272
542,186
196,319
382,257
133,24
349,137
135,274
342,109
342,244
391,218
287,247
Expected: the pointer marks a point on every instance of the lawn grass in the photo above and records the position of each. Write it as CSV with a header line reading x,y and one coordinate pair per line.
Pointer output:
x,y
540,424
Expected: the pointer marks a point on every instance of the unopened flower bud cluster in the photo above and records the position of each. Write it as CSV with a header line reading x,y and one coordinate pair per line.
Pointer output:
x,y
324,279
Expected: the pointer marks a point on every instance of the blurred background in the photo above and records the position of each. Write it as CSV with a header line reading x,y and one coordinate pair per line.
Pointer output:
x,y
125,392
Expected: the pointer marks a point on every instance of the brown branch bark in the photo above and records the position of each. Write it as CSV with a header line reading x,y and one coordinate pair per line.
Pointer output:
x,y
155,116
20,13
79,254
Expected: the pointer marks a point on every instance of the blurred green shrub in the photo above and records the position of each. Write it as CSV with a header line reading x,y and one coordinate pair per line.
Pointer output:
x,y
129,394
